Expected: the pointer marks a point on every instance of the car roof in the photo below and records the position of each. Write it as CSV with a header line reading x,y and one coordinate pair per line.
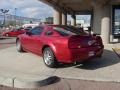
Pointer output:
x,y
53,25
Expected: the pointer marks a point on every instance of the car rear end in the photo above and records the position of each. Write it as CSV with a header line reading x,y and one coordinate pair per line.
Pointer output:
x,y
84,47
79,46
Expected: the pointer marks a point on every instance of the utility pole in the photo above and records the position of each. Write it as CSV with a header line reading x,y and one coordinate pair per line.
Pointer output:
x,y
15,16
4,11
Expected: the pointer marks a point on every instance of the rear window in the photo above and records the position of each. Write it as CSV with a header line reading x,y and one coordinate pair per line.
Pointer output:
x,y
66,31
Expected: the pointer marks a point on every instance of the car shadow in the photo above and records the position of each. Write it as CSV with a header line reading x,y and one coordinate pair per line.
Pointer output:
x,y
109,58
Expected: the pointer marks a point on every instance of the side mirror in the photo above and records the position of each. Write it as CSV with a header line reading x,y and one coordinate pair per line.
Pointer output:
x,y
28,33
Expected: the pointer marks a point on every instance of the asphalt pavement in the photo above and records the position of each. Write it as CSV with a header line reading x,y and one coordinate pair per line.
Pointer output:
x,y
26,70
6,42
73,84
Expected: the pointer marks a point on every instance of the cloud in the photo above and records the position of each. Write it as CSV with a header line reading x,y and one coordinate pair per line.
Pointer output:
x,y
33,12
27,8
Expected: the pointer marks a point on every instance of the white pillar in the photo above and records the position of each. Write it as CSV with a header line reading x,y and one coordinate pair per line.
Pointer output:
x,y
97,15
64,18
73,20
101,22
57,17
105,24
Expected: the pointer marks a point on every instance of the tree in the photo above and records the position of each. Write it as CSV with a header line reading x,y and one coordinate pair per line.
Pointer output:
x,y
10,23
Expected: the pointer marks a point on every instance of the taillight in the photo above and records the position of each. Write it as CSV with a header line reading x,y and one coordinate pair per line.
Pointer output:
x,y
99,39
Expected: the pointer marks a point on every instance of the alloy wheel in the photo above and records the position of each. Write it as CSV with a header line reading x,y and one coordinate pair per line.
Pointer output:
x,y
48,57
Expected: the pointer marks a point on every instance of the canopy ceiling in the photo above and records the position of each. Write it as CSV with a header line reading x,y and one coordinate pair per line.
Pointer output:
x,y
76,6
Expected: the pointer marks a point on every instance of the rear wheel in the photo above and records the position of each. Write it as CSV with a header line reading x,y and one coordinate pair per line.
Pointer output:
x,y
49,58
19,46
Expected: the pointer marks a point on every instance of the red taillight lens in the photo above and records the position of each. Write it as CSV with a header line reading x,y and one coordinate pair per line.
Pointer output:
x,y
99,39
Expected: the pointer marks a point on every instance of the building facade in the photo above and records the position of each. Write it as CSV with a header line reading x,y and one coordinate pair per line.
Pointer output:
x,y
105,15
17,19
49,20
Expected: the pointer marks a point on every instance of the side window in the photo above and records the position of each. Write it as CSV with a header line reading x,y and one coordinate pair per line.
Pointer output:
x,y
36,30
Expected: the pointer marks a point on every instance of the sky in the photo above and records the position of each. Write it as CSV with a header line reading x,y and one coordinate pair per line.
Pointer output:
x,y
27,8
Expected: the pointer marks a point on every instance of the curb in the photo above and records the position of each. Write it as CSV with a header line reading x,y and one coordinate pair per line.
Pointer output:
x,y
116,52
28,83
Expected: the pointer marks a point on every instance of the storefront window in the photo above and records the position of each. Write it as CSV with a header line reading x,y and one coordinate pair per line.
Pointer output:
x,y
116,21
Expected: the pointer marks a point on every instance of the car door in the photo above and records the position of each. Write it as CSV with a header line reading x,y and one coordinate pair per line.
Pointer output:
x,y
15,32
20,31
12,33
34,41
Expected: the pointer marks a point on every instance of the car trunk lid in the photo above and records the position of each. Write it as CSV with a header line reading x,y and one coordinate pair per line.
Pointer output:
x,y
78,41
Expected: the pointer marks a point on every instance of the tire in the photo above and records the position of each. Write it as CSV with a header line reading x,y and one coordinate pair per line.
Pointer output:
x,y
49,58
19,46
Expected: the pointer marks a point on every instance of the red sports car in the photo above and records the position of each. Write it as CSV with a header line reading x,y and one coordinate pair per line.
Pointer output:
x,y
65,44
14,33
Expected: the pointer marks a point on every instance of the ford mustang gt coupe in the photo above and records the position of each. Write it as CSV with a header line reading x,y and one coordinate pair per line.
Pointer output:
x,y
60,44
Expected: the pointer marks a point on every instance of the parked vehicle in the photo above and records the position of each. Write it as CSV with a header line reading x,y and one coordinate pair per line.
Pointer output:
x,y
63,44
15,32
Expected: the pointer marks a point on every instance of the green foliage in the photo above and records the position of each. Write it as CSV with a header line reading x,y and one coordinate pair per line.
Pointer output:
x,y
13,23
10,23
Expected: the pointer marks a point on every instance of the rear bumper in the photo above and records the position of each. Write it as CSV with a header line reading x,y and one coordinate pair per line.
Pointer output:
x,y
82,54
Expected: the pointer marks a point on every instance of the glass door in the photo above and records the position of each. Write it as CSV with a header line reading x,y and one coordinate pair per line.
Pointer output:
x,y
116,21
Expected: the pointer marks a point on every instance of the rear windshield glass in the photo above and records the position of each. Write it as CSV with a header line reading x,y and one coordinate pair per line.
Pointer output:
x,y
69,30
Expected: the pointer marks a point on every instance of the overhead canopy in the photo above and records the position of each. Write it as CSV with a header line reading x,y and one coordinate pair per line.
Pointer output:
x,y
76,6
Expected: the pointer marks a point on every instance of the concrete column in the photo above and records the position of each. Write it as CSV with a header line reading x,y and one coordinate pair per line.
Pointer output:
x,y
92,21
105,24
73,20
101,23
57,17
97,15
64,18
